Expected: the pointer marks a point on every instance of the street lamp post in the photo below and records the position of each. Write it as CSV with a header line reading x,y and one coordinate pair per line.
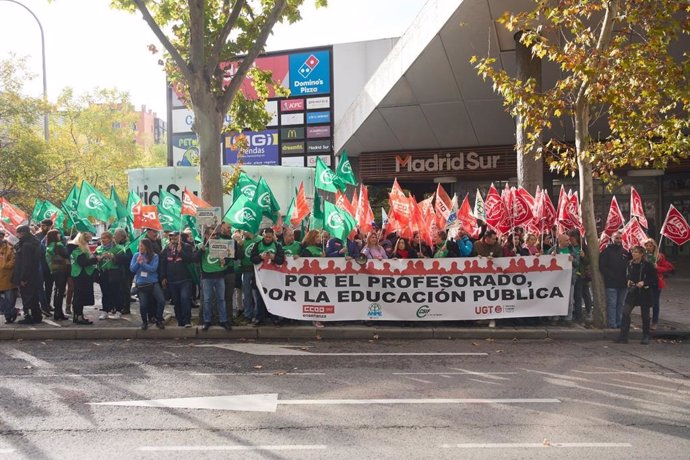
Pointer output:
x,y
43,62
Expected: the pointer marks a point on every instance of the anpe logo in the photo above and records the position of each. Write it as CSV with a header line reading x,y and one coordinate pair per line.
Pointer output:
x,y
423,311
319,309
375,311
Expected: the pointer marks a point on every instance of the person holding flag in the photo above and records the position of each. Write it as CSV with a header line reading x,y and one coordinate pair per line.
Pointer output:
x,y
658,259
267,250
213,271
123,259
82,272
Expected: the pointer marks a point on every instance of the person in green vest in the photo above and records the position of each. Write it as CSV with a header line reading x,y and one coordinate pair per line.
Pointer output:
x,y
291,247
247,267
110,276
82,272
213,284
311,245
265,250
57,258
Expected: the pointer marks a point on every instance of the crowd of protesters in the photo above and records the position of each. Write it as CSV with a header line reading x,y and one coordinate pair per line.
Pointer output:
x,y
47,271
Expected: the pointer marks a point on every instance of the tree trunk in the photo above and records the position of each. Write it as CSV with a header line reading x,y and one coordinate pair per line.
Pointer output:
x,y
587,209
208,124
530,169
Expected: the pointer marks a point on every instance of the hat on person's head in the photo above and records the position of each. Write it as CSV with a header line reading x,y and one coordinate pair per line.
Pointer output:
x,y
267,230
47,222
149,229
174,233
23,229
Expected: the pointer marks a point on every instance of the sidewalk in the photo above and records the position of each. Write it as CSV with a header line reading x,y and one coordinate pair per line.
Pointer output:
x,y
674,324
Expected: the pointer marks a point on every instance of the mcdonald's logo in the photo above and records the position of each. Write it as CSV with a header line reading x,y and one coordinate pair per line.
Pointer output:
x,y
292,133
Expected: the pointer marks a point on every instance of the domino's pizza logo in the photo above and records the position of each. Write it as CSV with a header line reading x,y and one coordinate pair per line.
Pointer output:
x,y
308,67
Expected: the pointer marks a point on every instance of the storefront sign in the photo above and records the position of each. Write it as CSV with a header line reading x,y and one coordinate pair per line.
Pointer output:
x,y
318,117
311,160
445,163
318,131
335,289
316,103
291,105
318,146
292,161
292,147
287,134
290,119
310,73
262,148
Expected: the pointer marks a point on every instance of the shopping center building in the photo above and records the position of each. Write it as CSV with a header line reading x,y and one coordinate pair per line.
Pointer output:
x,y
414,108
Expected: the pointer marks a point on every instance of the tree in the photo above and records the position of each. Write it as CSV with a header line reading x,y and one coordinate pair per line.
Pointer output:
x,y
24,169
616,62
92,138
204,37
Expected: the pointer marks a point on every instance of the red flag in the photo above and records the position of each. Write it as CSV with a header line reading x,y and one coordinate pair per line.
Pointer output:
x,y
146,217
400,213
562,200
636,208
16,216
467,221
523,203
343,202
496,213
675,227
548,212
190,202
301,209
633,234
443,206
614,220
428,227
569,217
604,241
355,201
364,215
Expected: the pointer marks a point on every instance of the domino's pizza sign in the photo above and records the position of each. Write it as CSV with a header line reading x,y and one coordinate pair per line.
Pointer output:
x,y
310,73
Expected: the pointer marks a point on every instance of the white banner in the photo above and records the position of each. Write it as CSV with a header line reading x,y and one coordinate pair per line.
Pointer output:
x,y
335,289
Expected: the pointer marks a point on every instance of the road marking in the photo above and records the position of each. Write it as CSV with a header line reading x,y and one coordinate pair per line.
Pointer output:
x,y
485,381
6,451
418,380
52,323
34,361
229,448
432,373
269,402
14,376
540,445
279,350
253,374
486,375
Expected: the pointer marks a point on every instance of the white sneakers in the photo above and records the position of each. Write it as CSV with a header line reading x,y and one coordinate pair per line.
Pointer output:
x,y
104,315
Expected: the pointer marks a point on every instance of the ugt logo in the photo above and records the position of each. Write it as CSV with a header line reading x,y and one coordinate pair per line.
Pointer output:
x,y
308,67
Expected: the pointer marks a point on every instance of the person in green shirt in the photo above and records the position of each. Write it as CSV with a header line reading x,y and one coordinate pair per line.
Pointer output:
x,y
311,244
82,272
267,249
247,267
109,276
291,247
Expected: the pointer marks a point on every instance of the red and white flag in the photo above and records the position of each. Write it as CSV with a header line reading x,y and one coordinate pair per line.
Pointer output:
x,y
428,227
15,215
497,216
400,213
467,221
569,217
604,241
614,220
443,206
636,208
190,203
301,208
523,203
675,227
341,201
364,215
146,217
633,234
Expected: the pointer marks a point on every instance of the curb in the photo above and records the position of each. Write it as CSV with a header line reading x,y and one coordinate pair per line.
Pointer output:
x,y
333,333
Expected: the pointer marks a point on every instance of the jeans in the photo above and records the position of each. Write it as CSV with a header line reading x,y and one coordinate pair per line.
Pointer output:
x,y
181,292
656,294
211,286
248,294
9,300
615,297
152,304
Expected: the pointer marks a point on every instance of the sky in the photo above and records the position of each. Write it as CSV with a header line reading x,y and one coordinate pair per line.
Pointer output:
x,y
89,45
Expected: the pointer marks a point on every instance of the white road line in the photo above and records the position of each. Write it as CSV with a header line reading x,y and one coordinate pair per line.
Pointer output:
x,y
339,402
229,448
284,350
445,376
430,373
32,376
540,445
485,381
486,375
253,374
418,380
34,361
52,323
6,451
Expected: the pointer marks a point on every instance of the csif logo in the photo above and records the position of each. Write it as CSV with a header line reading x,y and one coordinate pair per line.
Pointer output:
x,y
423,311
265,200
346,168
335,220
326,177
93,202
245,216
249,190
168,203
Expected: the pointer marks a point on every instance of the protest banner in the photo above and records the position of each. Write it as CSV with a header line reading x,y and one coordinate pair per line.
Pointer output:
x,y
335,289
221,249
208,217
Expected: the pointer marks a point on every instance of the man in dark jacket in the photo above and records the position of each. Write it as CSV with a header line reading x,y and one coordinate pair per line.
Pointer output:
x,y
613,263
640,277
268,249
26,274
176,277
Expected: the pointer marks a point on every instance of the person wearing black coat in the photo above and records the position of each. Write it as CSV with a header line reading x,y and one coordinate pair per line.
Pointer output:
x,y
613,263
26,274
176,277
268,249
641,276
123,259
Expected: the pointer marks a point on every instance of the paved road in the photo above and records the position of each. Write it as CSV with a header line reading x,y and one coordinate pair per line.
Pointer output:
x,y
369,399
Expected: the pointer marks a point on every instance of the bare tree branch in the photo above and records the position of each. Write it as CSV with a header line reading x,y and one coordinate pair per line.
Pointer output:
x,y
217,47
258,46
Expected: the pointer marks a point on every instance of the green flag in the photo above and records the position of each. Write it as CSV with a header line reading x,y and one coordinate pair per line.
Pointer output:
x,y
92,203
344,170
120,208
47,212
245,186
316,219
337,222
132,200
72,200
169,211
325,179
134,245
35,214
190,221
264,198
244,214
